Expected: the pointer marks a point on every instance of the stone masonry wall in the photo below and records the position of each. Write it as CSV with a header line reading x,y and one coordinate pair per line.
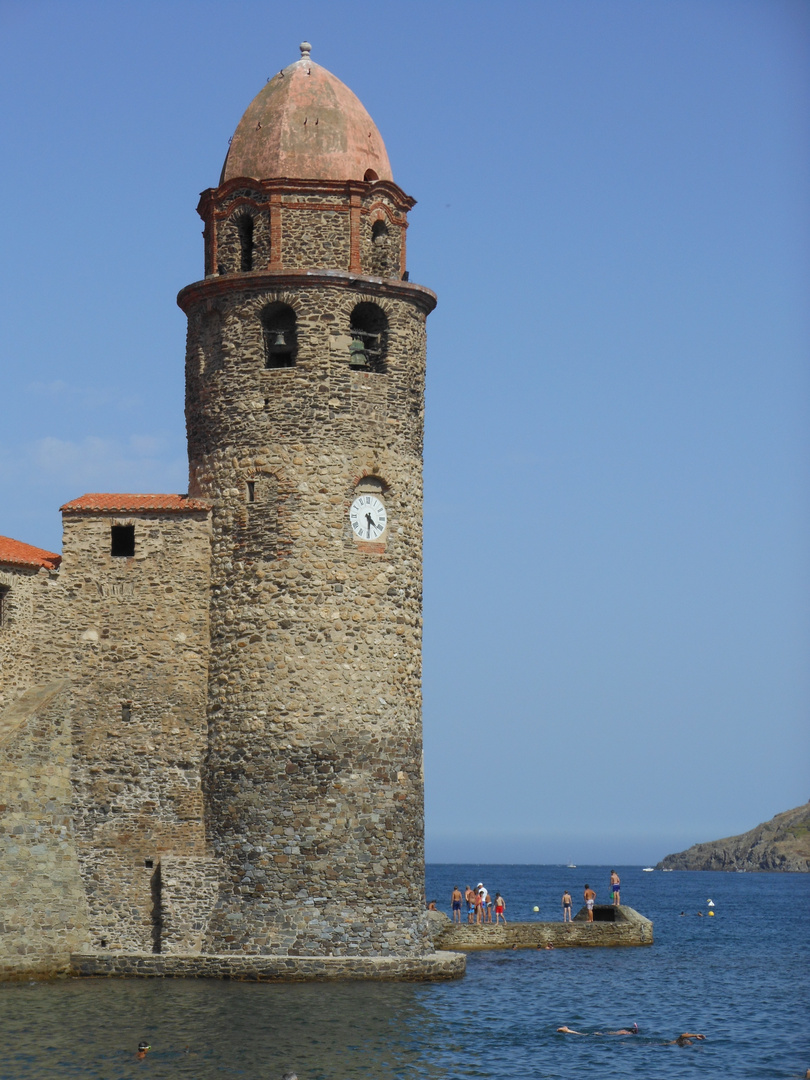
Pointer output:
x,y
432,967
315,236
20,614
188,888
314,779
132,634
43,913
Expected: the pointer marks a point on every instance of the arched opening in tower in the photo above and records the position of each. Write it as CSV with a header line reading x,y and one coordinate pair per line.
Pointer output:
x,y
280,336
369,331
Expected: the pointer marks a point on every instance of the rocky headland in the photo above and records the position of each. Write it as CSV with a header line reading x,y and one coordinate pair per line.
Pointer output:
x,y
783,843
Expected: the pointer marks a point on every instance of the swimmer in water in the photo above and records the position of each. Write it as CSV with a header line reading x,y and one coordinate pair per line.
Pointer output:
x,y
143,1050
621,1031
684,1039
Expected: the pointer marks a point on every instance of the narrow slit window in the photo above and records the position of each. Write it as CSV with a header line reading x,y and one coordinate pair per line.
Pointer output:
x,y
122,541
251,491
382,251
4,591
245,229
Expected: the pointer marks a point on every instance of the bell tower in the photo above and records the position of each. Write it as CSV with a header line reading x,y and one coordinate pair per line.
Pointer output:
x,y
304,404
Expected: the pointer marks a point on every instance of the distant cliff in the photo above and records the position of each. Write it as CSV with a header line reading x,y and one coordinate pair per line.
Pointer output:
x,y
783,843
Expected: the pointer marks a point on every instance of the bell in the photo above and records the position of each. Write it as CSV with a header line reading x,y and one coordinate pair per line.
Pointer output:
x,y
278,340
357,354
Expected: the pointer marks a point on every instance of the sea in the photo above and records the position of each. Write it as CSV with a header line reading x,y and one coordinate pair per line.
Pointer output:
x,y
740,976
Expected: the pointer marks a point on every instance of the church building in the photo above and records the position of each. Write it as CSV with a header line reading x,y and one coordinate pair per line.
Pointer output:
x,y
210,736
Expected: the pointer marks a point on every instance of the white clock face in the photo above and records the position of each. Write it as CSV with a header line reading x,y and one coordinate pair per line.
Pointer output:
x,y
368,517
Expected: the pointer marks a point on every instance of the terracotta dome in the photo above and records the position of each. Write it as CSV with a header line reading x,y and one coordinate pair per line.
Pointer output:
x,y
306,125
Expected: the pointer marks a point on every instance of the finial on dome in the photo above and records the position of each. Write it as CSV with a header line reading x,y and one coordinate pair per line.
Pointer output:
x,y
306,49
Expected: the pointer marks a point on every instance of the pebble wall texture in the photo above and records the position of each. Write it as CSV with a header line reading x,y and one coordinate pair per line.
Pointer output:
x,y
43,914
187,889
20,615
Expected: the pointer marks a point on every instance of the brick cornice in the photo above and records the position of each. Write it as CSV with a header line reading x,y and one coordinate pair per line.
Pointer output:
x,y
285,186
264,280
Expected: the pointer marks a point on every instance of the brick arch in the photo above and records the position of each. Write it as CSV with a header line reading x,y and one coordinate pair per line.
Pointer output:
x,y
372,480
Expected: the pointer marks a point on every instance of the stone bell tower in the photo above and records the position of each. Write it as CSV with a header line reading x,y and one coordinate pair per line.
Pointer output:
x,y
304,404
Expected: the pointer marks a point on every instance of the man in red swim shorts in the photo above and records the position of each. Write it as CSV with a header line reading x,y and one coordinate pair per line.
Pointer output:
x,y
500,905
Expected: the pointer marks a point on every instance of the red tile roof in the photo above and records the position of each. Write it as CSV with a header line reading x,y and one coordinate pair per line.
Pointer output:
x,y
106,503
16,553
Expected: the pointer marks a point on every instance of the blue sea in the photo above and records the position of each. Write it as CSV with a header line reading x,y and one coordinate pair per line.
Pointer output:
x,y
741,977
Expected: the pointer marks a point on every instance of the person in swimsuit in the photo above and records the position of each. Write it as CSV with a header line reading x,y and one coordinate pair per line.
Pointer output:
x,y
143,1050
500,904
566,903
589,896
455,901
478,908
481,907
488,908
469,896
615,886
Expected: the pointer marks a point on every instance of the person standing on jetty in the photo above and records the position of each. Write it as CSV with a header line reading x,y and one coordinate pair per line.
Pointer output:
x,y
482,907
455,903
500,905
566,906
469,896
589,896
615,886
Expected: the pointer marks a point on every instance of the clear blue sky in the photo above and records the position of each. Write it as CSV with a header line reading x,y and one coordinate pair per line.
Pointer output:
x,y
613,210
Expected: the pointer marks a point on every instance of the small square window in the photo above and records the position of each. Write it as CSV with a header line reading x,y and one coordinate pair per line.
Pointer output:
x,y
122,540
4,605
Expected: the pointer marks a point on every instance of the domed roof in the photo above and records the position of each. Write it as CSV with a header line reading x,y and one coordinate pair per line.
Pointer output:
x,y
306,125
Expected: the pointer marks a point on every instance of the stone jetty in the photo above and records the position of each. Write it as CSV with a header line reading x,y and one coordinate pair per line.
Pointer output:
x,y
612,926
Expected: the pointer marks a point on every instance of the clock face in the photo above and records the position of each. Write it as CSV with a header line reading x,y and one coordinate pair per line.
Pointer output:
x,y
368,517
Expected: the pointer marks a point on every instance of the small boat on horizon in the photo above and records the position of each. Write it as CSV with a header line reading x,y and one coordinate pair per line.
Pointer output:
x,y
647,869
